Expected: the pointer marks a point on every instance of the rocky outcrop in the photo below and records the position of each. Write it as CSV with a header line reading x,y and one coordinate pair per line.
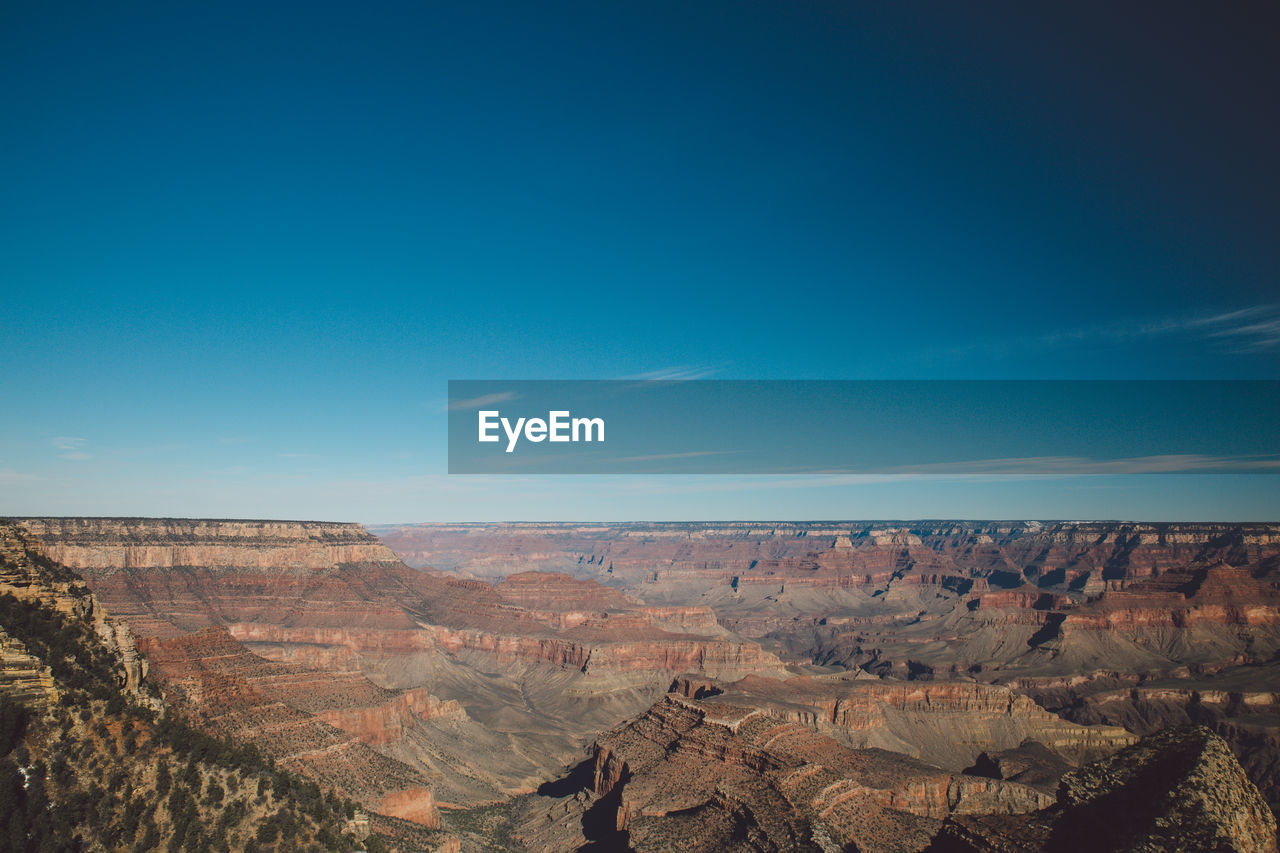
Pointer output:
x,y
744,772
945,723
827,554
333,585
417,805
1239,704
27,574
495,679
103,545
320,724
1005,600
1217,594
389,721
23,676
558,592
1180,789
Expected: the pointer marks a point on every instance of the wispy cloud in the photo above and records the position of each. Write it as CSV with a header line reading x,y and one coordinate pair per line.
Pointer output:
x,y
1179,463
482,400
1253,335
1251,329
71,447
660,456
675,374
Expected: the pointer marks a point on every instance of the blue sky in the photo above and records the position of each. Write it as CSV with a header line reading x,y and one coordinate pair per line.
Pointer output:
x,y
243,250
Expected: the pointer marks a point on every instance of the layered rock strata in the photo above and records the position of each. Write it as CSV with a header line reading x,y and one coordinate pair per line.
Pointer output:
x,y
1178,790
747,774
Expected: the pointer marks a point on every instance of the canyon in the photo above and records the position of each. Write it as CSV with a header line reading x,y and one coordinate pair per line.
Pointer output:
x,y
511,683
1136,625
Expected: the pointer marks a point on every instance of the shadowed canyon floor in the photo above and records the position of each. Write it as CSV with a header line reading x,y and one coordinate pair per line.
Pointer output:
x,y
805,686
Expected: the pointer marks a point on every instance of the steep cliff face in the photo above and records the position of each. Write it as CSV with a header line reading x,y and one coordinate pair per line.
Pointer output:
x,y
170,576
1177,790
91,760
24,676
828,554
389,721
314,584
746,773
524,672
320,724
1240,704
1033,606
105,544
944,723
1035,597
558,592
27,574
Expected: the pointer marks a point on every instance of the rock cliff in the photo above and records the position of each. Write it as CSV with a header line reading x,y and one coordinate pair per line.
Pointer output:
x,y
1178,790
27,574
486,688
745,773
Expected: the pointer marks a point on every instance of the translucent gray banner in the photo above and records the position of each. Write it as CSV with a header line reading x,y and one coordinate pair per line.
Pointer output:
x,y
863,427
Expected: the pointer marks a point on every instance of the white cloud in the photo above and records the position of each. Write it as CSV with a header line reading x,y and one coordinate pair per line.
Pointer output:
x,y
483,400
1244,330
676,374
71,446
1264,334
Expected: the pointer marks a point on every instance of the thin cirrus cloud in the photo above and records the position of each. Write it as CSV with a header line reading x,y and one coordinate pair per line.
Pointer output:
x,y
1252,329
1256,332
482,400
675,374
1174,463
71,447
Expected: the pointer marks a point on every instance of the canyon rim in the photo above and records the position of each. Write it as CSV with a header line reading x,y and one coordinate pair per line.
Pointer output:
x,y
657,686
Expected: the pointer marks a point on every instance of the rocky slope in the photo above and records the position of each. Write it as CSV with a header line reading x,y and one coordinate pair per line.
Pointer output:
x,y
749,778
1178,790
832,554
91,760
713,775
308,583
948,724
483,689
1082,607
321,725
892,665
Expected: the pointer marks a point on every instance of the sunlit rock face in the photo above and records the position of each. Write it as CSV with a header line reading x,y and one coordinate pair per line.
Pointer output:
x,y
719,772
484,690
965,658
1095,620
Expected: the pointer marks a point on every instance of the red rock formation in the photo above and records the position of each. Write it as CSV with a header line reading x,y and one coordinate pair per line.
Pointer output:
x,y
412,804
1218,594
827,555
388,722
318,723
744,772
559,592
329,604
946,723
1178,790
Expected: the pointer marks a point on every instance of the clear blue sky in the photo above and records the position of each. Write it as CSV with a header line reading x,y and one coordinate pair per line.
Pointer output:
x,y
242,249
